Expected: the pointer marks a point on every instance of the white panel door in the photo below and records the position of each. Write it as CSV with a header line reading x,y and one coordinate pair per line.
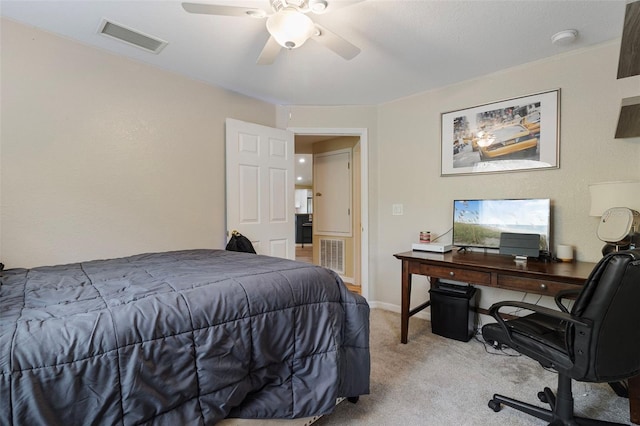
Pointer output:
x,y
332,187
260,186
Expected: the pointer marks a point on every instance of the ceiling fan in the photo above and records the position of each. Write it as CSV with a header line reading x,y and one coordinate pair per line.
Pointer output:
x,y
288,25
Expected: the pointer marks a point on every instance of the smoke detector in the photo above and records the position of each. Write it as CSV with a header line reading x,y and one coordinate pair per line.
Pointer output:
x,y
564,37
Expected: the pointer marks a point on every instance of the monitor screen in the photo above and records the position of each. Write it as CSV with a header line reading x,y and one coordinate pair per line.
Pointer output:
x,y
479,223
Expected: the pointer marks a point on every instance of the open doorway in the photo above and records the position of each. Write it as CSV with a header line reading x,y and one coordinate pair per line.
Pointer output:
x,y
333,161
304,206
304,196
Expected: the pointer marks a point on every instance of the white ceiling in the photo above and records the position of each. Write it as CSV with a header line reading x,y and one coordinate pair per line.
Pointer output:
x,y
407,46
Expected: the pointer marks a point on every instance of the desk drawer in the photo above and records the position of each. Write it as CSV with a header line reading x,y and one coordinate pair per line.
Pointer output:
x,y
532,285
456,274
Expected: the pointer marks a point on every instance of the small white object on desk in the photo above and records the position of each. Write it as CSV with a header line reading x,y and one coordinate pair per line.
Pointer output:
x,y
565,253
432,247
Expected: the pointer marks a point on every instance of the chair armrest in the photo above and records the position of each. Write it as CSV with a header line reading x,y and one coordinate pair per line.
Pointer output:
x,y
494,311
553,313
563,294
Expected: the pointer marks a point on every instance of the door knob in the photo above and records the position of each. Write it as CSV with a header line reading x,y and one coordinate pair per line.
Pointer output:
x,y
318,194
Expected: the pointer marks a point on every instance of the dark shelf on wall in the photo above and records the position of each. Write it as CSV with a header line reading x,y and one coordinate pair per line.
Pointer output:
x,y
628,66
629,62
629,121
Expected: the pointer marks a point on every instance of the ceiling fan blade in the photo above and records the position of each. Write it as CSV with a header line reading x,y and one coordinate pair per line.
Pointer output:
x,y
214,9
269,52
334,42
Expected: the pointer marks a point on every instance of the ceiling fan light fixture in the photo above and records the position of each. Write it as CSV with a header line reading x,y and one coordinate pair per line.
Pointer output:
x,y
290,28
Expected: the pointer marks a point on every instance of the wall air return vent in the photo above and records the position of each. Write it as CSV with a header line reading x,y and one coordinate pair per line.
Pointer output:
x,y
332,254
130,36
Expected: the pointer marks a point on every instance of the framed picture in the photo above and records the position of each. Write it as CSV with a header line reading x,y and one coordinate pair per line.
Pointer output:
x,y
511,135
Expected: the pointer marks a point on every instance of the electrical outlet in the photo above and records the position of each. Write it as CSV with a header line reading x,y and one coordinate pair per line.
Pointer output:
x,y
396,210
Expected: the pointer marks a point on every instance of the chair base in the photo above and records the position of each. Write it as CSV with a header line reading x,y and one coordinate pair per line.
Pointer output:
x,y
561,412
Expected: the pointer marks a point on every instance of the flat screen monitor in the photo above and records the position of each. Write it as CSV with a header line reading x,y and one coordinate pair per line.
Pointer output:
x,y
479,223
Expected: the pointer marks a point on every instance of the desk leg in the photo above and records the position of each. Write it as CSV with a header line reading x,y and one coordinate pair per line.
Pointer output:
x,y
634,399
406,301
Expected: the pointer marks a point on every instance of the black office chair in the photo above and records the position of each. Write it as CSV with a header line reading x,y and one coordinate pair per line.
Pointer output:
x,y
597,341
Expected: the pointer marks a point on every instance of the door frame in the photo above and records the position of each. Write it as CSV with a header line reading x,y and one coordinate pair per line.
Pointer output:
x,y
364,190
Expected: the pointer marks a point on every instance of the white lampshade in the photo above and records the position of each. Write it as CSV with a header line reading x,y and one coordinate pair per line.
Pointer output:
x,y
606,195
290,28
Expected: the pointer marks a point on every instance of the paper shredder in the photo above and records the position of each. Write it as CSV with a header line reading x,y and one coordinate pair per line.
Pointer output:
x,y
453,310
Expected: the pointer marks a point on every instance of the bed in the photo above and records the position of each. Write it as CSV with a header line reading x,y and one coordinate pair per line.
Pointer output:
x,y
178,338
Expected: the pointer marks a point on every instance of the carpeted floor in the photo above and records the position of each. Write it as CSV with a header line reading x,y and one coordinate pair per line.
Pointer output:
x,y
433,380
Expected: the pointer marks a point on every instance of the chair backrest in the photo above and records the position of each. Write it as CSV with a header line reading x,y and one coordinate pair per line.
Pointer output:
x,y
611,300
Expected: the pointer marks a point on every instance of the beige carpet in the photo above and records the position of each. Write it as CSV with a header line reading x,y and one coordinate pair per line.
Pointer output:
x,y
437,381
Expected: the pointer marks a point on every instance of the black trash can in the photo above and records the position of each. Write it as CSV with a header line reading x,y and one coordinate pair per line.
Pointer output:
x,y
453,311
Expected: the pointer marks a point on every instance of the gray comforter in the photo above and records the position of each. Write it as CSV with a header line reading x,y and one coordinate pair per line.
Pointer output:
x,y
178,338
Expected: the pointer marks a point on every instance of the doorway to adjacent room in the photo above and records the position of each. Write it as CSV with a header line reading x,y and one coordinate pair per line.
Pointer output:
x,y
339,231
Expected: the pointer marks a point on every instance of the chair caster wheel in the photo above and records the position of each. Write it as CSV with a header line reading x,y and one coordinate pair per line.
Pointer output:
x,y
542,397
495,405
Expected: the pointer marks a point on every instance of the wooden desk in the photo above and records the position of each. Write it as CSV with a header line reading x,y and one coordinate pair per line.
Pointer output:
x,y
493,270
490,270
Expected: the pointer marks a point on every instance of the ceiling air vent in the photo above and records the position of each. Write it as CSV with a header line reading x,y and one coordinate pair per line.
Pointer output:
x,y
132,37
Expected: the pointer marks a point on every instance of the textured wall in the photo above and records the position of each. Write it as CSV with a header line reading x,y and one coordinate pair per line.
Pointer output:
x,y
590,103
404,165
103,156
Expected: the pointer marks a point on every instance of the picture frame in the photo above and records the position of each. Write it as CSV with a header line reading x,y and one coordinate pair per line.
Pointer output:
x,y
511,135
